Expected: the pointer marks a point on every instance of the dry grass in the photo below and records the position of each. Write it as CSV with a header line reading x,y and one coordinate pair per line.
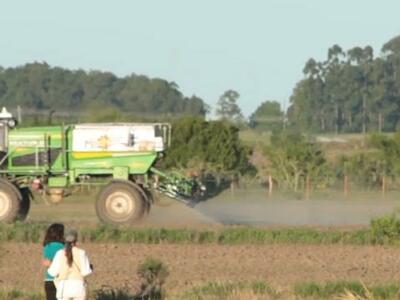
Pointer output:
x,y
348,295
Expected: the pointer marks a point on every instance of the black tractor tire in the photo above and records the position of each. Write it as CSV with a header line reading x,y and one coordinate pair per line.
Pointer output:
x,y
145,194
150,200
120,203
10,202
25,203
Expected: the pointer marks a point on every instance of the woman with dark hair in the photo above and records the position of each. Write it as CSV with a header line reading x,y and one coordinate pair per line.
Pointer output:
x,y
70,266
53,241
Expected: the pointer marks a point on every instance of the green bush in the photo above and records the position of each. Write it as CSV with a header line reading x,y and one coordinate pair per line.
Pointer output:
x,y
386,230
201,145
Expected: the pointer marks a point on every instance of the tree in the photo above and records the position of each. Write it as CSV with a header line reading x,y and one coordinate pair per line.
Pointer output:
x,y
293,159
268,116
351,91
308,110
380,162
227,107
334,96
392,46
213,146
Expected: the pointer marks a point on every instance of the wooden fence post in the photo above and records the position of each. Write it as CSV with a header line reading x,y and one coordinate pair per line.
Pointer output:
x,y
270,185
308,187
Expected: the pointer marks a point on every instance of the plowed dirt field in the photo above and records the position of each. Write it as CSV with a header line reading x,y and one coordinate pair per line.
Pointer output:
x,y
191,265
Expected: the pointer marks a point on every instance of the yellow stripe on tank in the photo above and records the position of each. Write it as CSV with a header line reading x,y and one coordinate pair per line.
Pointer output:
x,y
104,154
91,154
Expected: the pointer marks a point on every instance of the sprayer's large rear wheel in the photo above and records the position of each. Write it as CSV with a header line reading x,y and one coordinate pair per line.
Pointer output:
x,y
120,203
10,202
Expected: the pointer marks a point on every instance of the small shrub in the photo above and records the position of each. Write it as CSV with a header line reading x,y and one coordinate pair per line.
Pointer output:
x,y
385,230
153,274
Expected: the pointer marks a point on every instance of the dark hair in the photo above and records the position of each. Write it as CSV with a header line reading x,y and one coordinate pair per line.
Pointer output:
x,y
68,252
70,240
55,233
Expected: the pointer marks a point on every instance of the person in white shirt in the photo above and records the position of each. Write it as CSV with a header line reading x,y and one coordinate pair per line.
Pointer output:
x,y
69,267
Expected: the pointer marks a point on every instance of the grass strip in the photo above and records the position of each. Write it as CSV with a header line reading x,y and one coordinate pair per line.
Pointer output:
x,y
249,290
12,294
33,232
383,231
308,290
333,289
221,290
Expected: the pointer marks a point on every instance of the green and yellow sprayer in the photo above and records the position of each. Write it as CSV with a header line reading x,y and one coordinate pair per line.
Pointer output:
x,y
120,157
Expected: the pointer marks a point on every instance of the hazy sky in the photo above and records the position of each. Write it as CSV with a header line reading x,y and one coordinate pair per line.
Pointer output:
x,y
257,47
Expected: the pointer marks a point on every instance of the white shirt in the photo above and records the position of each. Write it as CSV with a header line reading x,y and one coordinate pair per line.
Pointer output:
x,y
72,285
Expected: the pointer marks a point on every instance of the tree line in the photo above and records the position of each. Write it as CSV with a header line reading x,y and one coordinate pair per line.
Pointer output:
x,y
37,86
350,91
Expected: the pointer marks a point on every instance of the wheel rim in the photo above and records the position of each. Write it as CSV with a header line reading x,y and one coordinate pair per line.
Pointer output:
x,y
120,206
5,204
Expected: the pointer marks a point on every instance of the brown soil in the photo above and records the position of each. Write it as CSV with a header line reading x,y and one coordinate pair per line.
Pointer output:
x,y
190,265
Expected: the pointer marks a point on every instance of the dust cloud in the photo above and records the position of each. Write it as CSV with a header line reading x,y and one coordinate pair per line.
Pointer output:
x,y
254,207
245,207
